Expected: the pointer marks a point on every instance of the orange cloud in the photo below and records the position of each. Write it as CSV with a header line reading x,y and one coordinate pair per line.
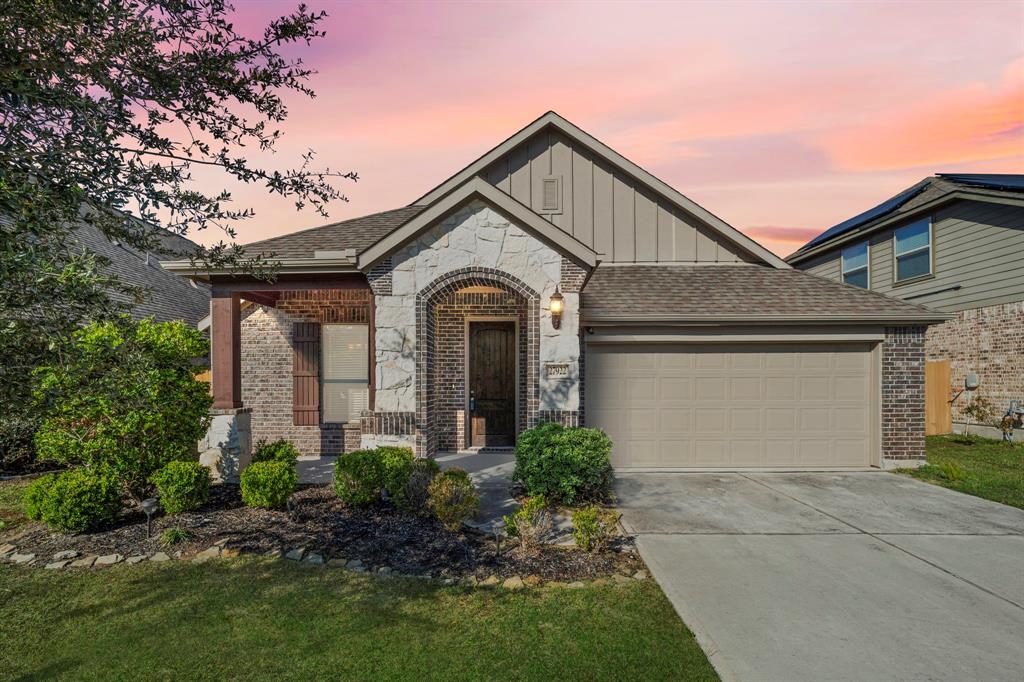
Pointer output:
x,y
963,125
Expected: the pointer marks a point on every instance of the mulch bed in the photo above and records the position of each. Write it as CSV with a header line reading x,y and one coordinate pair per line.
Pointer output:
x,y
317,521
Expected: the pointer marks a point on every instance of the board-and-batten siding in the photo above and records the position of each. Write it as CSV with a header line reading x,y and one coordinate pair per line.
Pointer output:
x,y
608,211
978,246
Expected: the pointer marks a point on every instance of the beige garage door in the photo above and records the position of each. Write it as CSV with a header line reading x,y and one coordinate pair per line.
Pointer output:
x,y
733,406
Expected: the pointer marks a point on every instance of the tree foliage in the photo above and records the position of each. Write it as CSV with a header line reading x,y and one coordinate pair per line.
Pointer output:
x,y
125,398
107,109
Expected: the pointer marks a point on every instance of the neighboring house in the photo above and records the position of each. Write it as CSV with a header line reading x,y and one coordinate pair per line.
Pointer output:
x,y
167,297
554,280
955,244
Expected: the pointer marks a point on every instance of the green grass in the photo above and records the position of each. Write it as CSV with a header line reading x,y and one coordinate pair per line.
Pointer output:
x,y
977,466
264,619
11,514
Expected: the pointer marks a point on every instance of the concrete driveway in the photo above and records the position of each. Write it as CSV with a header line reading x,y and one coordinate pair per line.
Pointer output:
x,y
835,576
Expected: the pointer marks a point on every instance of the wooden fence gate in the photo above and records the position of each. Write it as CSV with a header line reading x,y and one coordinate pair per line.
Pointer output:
x,y
938,413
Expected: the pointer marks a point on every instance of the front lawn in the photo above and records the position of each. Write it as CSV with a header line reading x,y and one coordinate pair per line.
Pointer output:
x,y
11,514
257,618
977,466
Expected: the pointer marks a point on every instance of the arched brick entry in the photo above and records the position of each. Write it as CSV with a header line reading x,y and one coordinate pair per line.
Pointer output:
x,y
434,424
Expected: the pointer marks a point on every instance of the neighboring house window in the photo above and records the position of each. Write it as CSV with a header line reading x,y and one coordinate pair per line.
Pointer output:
x,y
913,249
855,265
344,377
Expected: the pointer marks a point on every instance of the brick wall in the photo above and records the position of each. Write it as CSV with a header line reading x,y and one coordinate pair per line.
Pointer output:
x,y
988,341
267,366
573,277
903,393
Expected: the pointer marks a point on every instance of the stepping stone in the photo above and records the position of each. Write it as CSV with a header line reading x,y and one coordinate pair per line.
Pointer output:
x,y
22,558
532,580
57,565
66,554
471,581
109,560
448,582
230,552
575,585
296,554
160,556
6,549
490,581
600,582
221,542
356,565
135,559
273,553
620,579
314,559
513,583
384,570
206,555
641,575
85,562
336,563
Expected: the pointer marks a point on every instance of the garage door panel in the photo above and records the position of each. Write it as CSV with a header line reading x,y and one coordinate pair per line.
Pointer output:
x,y
733,405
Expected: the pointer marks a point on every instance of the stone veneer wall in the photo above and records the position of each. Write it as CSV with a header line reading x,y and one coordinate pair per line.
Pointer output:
x,y
483,244
903,393
988,341
267,358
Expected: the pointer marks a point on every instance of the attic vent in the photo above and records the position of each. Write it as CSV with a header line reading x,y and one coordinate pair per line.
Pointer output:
x,y
551,194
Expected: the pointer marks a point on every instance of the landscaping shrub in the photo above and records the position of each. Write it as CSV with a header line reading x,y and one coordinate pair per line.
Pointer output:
x,y
452,498
279,451
563,464
594,527
35,496
358,477
182,486
415,493
75,501
530,522
268,484
125,399
396,465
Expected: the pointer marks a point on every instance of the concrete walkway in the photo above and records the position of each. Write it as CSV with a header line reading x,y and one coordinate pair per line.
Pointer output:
x,y
835,576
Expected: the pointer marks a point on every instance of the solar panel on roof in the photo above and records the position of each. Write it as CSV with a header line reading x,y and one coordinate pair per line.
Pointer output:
x,y
992,180
867,216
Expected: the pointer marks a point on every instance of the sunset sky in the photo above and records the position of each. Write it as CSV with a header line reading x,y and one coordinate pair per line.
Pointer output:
x,y
783,118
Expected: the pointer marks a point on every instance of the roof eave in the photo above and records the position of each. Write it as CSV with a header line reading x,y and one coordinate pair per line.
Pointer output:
x,y
856,234
713,320
187,268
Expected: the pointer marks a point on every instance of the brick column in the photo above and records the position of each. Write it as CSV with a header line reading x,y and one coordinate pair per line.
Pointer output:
x,y
226,349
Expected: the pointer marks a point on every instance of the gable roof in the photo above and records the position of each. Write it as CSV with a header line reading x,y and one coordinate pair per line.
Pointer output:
x,y
922,196
737,294
356,234
612,157
477,188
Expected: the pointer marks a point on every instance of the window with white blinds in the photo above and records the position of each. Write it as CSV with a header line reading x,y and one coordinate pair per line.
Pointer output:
x,y
345,371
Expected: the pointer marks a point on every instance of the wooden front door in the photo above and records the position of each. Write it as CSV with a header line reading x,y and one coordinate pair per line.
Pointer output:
x,y
492,383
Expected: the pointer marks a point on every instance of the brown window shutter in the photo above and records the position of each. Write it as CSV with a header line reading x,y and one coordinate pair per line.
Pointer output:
x,y
306,374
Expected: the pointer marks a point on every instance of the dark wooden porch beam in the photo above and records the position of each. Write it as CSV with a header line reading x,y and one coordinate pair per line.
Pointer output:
x,y
226,349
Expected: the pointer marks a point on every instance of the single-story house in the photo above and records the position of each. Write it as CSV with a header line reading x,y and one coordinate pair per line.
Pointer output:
x,y
552,279
955,244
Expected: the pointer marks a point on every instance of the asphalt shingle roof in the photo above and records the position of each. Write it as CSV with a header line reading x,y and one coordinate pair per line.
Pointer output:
x,y
357,233
697,291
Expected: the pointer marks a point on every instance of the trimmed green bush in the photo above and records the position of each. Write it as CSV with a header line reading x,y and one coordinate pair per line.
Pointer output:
x,y
35,496
182,486
75,501
358,477
396,465
594,527
415,493
452,498
268,484
277,451
563,464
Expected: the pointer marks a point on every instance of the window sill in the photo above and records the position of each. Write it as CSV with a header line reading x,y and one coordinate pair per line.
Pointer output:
x,y
913,280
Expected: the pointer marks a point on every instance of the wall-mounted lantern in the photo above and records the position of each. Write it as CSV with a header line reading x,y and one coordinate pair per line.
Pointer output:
x,y
556,305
